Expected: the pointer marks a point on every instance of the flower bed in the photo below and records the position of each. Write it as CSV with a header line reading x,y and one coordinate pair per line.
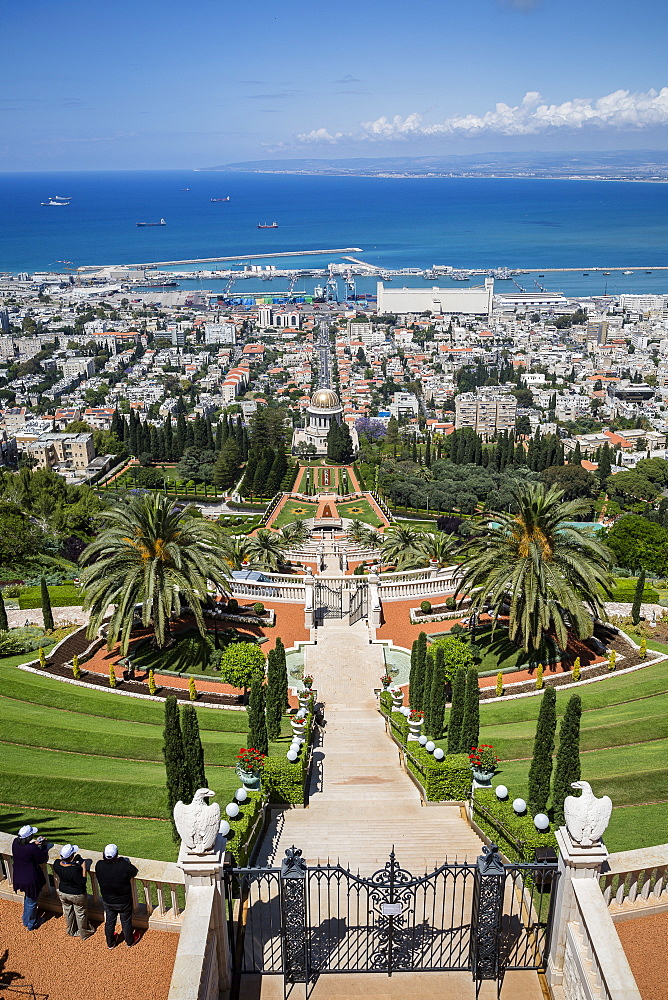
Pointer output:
x,y
438,613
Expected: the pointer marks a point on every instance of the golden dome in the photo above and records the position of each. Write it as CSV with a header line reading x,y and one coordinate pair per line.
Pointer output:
x,y
325,399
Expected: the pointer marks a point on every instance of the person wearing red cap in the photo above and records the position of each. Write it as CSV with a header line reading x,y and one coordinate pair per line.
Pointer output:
x,y
69,867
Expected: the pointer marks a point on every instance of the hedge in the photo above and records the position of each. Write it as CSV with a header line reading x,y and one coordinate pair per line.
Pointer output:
x,y
516,836
625,591
443,780
245,828
284,780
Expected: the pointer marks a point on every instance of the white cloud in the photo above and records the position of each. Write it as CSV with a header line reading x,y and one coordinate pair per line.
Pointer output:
x,y
619,110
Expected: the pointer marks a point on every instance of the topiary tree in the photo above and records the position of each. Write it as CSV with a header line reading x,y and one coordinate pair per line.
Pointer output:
x,y
425,607
567,767
499,684
471,721
417,690
4,625
46,606
636,607
539,677
436,712
275,700
239,663
412,674
282,669
76,671
540,772
457,710
256,708
575,675
193,752
192,690
151,682
177,780
456,652
426,695
112,676
642,653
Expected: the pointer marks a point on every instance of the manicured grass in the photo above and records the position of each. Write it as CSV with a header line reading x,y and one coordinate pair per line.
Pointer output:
x,y
293,510
359,510
63,596
408,522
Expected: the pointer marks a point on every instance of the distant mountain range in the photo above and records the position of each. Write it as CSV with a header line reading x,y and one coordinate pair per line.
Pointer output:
x,y
607,165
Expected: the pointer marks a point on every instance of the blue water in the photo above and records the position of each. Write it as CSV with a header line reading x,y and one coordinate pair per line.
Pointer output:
x,y
396,222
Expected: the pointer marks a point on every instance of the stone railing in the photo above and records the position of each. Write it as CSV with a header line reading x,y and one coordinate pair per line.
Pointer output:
x,y
276,591
636,880
157,891
595,966
442,584
196,972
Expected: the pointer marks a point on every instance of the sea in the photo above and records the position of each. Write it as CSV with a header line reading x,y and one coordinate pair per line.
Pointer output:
x,y
395,223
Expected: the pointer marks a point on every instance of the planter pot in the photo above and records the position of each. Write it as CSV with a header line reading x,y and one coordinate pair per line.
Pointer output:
x,y
304,697
414,729
298,726
397,698
482,779
249,779
386,687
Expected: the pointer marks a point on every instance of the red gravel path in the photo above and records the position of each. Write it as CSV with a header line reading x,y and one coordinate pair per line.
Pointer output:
x,y
649,962
66,968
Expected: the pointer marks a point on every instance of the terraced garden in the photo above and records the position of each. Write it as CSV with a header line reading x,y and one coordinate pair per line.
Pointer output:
x,y
83,765
624,749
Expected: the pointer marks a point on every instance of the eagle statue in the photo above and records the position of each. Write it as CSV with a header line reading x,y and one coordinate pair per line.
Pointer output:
x,y
198,823
587,817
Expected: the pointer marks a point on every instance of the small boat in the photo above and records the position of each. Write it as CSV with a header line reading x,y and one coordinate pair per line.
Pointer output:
x,y
541,275
648,272
161,223
53,201
185,189
220,199
261,225
606,273
585,274
628,272
62,197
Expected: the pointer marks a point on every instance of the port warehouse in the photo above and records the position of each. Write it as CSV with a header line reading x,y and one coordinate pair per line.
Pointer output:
x,y
457,301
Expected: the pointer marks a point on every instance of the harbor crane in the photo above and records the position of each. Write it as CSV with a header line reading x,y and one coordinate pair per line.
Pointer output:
x,y
349,280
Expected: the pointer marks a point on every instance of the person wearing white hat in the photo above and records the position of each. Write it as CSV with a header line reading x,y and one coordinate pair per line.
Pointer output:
x,y
69,867
29,855
114,876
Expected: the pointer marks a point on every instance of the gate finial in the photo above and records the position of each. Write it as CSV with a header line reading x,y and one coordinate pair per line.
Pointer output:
x,y
293,865
489,862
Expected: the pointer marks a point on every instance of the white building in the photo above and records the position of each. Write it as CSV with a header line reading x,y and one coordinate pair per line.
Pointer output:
x,y
439,301
220,333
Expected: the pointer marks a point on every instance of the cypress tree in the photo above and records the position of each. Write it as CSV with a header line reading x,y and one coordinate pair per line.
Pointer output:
x,y
637,598
219,434
180,442
46,607
426,690
471,721
540,772
275,702
4,625
457,710
427,452
282,671
417,691
193,752
567,767
169,444
172,751
437,699
257,722
411,676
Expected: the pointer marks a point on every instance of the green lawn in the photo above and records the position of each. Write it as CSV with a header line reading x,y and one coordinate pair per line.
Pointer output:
x,y
359,510
292,510
63,596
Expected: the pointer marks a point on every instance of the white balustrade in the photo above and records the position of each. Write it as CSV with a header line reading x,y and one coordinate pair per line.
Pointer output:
x,y
636,879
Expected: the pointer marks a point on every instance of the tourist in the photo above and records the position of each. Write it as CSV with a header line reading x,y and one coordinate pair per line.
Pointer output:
x,y
114,877
69,868
29,856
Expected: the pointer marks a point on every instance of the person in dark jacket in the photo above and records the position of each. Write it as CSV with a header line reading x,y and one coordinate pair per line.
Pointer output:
x,y
114,877
29,856
69,868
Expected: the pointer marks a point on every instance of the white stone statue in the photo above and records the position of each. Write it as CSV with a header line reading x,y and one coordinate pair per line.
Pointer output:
x,y
587,817
198,822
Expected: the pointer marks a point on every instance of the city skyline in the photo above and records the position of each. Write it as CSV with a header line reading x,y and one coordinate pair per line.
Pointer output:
x,y
150,86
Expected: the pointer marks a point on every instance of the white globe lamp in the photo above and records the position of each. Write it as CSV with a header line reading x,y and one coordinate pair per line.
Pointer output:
x,y
224,827
422,740
232,810
430,746
292,756
241,795
541,822
438,754
501,792
520,806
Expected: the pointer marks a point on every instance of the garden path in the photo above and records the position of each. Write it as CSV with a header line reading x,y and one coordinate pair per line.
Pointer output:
x,y
362,803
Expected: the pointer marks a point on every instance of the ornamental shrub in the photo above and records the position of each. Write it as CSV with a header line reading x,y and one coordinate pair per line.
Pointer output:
x,y
76,671
516,836
612,656
151,683
240,662
499,684
567,768
42,657
192,690
46,606
436,710
425,607
447,780
642,652
539,677
456,652
575,674
112,676
540,772
258,608
417,690
457,711
450,603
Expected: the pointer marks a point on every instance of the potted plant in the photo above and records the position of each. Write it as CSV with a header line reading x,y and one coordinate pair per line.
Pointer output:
x,y
397,698
483,764
415,723
249,764
386,680
307,682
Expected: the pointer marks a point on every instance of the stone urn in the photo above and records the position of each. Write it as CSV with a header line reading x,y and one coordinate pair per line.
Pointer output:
x,y
249,779
482,779
415,728
298,727
397,698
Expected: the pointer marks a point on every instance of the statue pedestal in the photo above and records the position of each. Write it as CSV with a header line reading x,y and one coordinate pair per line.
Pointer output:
x,y
207,870
575,861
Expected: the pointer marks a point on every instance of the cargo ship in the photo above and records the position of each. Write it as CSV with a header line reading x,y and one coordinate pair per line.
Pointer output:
x,y
220,199
263,225
55,201
161,223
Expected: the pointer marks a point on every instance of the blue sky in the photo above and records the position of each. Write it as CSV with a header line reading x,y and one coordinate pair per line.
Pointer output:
x,y
142,84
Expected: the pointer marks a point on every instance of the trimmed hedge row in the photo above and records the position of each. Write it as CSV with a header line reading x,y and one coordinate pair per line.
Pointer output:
x,y
245,828
516,836
284,780
443,781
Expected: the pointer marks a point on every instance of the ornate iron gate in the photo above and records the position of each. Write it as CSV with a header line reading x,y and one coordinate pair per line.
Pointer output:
x,y
359,602
301,922
328,601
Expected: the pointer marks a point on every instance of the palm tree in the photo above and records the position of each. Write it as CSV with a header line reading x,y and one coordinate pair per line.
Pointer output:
x,y
234,549
265,550
372,539
296,533
436,547
153,553
548,570
402,546
356,531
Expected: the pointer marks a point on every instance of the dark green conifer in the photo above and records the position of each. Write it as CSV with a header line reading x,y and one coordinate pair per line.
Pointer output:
x,y
471,721
567,767
46,606
457,710
540,772
172,751
437,698
193,752
257,721
275,703
418,690
4,625
282,671
637,598
411,676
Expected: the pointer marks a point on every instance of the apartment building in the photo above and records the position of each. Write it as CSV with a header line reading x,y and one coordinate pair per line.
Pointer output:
x,y
61,451
487,414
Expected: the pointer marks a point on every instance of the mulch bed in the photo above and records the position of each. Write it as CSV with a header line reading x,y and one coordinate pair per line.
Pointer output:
x,y
138,687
